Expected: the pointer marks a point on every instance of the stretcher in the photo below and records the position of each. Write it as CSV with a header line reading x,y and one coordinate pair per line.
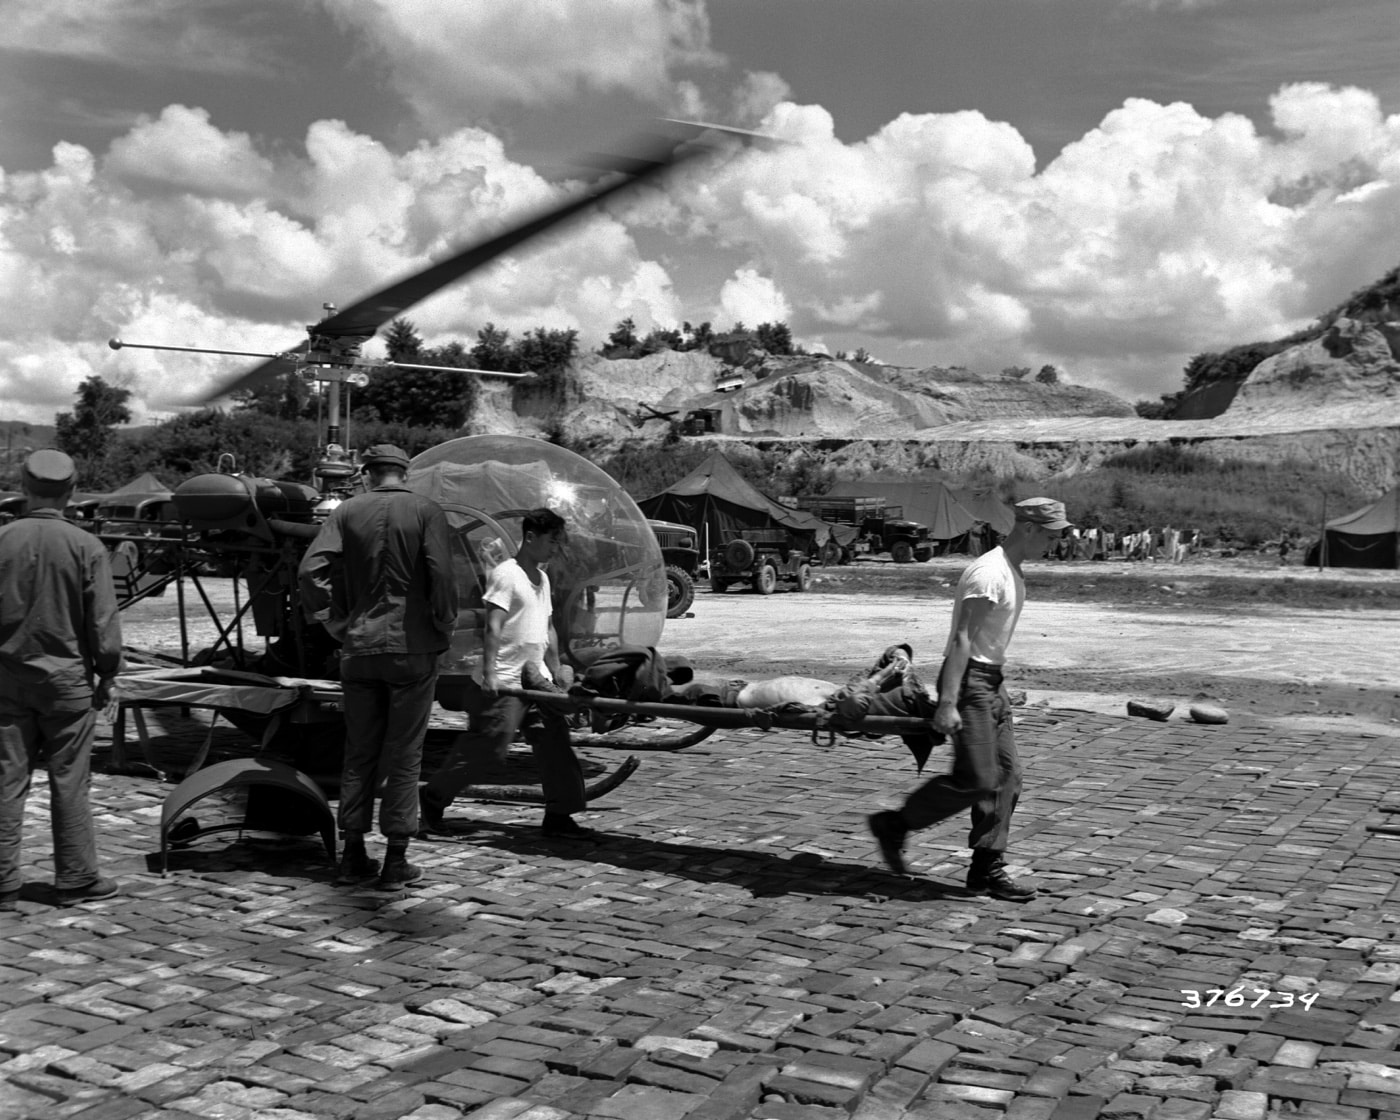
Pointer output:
x,y
789,717
278,796
251,701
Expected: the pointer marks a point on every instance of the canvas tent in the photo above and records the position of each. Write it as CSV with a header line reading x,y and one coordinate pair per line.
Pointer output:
x,y
948,512
988,508
715,500
1367,538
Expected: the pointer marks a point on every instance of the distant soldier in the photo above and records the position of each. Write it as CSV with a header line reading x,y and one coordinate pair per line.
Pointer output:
x,y
975,712
379,575
60,650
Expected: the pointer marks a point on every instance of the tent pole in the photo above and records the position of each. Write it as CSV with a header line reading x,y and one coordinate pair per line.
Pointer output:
x,y
1322,540
1322,536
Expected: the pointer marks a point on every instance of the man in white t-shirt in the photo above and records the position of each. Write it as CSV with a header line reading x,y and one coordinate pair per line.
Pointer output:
x,y
519,639
974,711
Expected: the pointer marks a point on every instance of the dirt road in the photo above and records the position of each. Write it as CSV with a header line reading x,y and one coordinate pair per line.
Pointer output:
x,y
1270,661
1315,666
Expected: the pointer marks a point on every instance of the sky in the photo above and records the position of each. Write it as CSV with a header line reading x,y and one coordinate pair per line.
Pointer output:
x,y
1106,186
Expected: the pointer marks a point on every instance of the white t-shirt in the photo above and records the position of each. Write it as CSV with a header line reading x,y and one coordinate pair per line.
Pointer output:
x,y
990,577
525,631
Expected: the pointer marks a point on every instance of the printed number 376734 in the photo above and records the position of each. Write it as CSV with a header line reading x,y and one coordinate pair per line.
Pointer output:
x,y
1240,997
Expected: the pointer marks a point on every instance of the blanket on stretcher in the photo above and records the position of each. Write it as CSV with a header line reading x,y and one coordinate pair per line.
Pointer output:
x,y
890,687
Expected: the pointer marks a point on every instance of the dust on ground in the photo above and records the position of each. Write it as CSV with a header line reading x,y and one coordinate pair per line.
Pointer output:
x,y
1273,643
1266,641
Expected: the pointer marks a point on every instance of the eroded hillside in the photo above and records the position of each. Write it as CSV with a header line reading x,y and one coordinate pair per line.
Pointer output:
x,y
1333,399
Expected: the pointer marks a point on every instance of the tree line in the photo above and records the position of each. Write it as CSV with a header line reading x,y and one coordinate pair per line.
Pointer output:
x,y
272,430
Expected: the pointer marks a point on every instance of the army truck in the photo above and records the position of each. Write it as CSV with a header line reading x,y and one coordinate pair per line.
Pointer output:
x,y
882,528
682,557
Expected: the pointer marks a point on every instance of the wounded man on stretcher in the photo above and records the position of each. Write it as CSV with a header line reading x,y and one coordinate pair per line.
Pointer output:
x,y
640,674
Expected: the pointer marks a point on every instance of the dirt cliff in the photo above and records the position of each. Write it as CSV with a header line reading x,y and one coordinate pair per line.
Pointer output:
x,y
1334,399
801,396
1353,362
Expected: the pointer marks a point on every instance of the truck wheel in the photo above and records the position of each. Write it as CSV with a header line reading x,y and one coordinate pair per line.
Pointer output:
x,y
765,580
719,585
832,554
680,591
902,552
804,578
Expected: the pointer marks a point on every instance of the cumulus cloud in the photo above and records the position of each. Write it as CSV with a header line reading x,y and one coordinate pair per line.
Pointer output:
x,y
1158,234
183,151
749,298
182,234
935,240
449,58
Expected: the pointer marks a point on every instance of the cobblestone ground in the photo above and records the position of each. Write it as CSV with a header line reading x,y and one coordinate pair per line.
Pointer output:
x,y
730,948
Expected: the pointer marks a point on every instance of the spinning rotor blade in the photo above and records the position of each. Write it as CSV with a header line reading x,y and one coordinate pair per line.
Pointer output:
x,y
273,367
362,319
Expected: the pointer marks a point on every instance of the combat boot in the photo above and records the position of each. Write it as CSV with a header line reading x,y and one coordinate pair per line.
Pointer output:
x,y
889,830
355,864
988,876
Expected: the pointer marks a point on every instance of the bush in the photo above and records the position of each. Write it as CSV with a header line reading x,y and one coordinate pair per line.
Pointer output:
x,y
1237,502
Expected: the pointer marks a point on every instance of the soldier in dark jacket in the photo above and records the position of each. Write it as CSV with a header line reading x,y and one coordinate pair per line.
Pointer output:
x,y
379,575
60,650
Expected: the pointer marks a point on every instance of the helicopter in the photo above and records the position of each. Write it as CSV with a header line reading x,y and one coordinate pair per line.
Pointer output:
x,y
331,352
256,530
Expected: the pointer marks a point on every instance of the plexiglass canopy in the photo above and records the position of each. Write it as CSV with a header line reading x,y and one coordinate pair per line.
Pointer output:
x,y
609,583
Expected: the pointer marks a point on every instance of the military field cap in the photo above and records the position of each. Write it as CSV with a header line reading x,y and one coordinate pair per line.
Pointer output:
x,y
48,473
1043,511
384,455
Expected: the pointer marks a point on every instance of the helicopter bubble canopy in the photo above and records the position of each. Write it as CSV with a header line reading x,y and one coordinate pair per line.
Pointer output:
x,y
608,582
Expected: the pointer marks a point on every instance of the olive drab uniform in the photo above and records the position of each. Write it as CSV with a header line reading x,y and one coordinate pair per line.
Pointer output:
x,y
59,634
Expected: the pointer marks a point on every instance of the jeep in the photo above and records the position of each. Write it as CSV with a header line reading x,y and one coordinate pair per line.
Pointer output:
x,y
762,558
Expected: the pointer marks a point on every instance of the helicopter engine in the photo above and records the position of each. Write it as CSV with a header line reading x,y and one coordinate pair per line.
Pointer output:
x,y
257,507
255,529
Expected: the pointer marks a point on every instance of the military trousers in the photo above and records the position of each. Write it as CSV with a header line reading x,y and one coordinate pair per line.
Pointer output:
x,y
59,739
986,774
388,699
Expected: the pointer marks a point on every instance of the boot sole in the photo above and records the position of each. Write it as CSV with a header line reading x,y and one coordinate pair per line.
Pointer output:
x,y
397,884
987,892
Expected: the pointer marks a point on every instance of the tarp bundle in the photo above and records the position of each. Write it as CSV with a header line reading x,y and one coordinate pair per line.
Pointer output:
x,y
715,497
1366,538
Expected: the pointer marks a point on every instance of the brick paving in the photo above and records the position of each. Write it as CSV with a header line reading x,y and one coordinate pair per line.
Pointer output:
x,y
730,949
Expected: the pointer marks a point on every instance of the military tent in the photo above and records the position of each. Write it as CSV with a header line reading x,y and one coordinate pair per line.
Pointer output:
x,y
141,498
716,501
987,508
1368,537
